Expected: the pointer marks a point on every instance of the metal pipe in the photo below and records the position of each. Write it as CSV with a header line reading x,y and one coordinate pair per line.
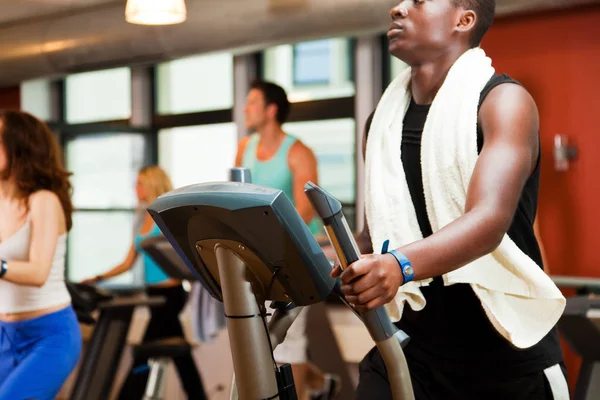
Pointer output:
x,y
280,323
397,368
253,364
155,388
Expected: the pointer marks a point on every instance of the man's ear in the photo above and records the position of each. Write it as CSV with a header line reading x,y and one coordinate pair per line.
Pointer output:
x,y
467,21
272,110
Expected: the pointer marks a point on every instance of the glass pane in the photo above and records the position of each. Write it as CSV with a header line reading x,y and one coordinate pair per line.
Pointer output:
x,y
333,142
312,62
98,242
35,98
105,168
200,83
396,66
311,70
195,154
98,96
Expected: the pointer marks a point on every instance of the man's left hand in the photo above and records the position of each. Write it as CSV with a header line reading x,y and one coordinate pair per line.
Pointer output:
x,y
371,281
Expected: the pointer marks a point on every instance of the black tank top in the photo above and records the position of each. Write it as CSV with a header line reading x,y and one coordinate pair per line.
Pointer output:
x,y
452,331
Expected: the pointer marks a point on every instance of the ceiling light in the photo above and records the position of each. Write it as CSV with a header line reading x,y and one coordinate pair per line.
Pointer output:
x,y
155,12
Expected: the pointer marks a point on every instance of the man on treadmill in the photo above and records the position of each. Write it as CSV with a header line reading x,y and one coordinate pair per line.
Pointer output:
x,y
454,352
281,161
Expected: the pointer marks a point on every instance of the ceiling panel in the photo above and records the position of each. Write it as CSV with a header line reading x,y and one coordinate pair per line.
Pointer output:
x,y
16,10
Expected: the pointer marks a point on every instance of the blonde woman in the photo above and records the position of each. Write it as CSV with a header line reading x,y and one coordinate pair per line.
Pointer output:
x,y
152,182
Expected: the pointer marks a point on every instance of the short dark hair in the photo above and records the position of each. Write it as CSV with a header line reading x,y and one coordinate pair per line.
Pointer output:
x,y
274,94
485,10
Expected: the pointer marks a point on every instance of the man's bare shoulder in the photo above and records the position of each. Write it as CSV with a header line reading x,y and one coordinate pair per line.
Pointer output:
x,y
244,142
509,103
300,153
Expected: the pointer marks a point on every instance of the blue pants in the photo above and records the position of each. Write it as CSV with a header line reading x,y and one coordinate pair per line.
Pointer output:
x,y
37,355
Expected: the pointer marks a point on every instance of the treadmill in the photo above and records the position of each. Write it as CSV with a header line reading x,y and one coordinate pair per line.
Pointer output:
x,y
580,328
100,360
247,244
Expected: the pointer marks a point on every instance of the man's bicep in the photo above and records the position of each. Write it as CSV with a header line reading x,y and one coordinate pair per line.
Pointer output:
x,y
509,123
303,165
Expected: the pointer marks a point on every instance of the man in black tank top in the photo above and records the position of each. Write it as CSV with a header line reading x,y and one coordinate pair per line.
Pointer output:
x,y
455,352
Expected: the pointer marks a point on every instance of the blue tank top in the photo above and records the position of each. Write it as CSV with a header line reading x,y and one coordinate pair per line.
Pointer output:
x,y
152,272
274,172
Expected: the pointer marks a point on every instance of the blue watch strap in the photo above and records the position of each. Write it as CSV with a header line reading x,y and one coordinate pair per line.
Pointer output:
x,y
3,267
408,272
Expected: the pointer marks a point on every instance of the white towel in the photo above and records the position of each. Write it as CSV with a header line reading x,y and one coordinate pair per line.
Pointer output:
x,y
208,314
520,300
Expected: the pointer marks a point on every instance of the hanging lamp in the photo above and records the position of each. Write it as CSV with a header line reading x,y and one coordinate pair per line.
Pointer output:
x,y
155,12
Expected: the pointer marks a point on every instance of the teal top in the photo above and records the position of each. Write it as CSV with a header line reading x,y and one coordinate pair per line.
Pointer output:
x,y
275,172
152,272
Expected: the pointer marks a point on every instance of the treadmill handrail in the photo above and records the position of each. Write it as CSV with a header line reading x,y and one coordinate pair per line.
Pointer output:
x,y
575,282
128,302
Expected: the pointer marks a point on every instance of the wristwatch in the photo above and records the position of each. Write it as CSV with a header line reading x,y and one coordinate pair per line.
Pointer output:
x,y
408,273
3,267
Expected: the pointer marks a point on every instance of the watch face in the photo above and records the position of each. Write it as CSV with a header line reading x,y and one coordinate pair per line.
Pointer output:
x,y
408,271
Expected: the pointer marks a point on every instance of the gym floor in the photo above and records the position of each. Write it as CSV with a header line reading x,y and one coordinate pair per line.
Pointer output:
x,y
214,358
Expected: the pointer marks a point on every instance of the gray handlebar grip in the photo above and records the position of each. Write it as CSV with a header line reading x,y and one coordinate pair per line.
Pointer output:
x,y
329,209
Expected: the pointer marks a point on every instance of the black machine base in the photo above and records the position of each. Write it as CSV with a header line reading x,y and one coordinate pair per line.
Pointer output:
x,y
285,383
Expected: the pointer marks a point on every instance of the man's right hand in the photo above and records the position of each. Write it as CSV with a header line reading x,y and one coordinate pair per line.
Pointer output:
x,y
337,270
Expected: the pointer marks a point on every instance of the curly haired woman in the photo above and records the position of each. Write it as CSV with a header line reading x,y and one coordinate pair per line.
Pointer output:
x,y
40,339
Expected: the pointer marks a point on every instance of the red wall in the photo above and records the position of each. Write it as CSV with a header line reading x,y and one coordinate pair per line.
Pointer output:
x,y
10,97
556,56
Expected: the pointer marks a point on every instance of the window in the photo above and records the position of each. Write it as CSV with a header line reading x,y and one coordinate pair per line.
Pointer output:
x,y
99,241
196,154
36,98
105,168
312,63
98,96
311,70
333,142
199,83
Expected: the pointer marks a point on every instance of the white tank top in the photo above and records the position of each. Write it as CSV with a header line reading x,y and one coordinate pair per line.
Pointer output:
x,y
19,298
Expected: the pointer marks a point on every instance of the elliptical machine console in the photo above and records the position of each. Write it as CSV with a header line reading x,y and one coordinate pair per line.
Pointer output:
x,y
248,245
